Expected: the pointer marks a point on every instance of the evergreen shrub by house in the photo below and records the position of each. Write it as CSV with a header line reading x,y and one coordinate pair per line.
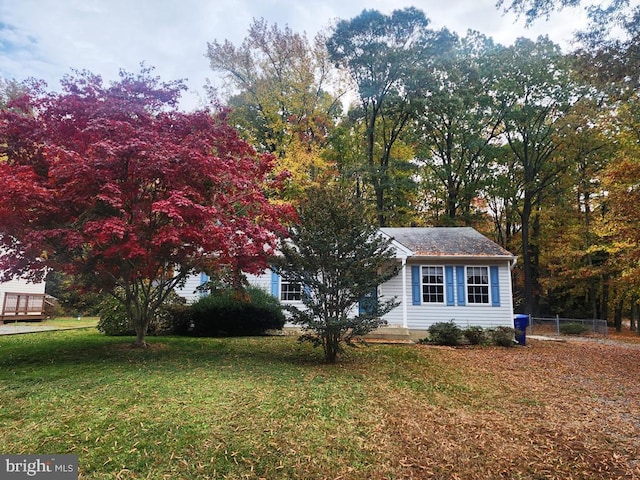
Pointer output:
x,y
503,336
179,318
448,333
227,313
445,333
113,318
475,335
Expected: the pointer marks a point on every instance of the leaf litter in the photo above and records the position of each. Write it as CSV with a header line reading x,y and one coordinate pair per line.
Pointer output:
x,y
546,411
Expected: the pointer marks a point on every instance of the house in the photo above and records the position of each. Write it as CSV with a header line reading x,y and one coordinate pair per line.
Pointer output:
x,y
21,300
444,273
449,274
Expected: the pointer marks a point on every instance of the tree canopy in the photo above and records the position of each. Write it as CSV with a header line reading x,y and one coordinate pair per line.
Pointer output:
x,y
114,185
389,58
282,93
449,130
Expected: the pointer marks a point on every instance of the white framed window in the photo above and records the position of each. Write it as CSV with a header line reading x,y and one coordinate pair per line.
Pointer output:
x,y
432,285
478,285
290,291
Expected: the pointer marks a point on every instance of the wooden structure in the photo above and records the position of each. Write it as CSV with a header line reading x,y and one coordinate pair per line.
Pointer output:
x,y
22,306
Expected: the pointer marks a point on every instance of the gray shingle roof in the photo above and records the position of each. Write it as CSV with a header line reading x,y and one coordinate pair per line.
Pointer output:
x,y
446,241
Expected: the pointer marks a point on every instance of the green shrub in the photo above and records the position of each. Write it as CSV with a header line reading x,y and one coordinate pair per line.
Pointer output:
x,y
226,313
172,316
445,333
113,318
574,328
114,321
179,318
503,336
475,335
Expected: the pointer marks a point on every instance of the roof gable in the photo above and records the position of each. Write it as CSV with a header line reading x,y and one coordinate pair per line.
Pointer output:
x,y
446,241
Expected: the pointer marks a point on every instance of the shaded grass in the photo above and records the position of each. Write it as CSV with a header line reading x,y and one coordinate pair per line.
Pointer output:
x,y
268,408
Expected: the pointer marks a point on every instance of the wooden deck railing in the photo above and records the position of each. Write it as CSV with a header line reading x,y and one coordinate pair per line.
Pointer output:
x,y
22,306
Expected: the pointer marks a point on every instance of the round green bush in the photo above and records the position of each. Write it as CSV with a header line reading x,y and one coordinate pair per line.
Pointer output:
x,y
475,335
113,318
178,318
169,317
503,336
445,333
229,313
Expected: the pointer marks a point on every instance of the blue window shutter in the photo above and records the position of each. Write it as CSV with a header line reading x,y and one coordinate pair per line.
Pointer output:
x,y
204,279
460,282
415,284
275,285
448,275
495,286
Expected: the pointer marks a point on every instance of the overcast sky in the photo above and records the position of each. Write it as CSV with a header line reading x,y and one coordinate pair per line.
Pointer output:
x,y
45,39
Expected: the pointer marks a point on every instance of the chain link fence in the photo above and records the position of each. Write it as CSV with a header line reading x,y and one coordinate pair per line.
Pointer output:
x,y
566,326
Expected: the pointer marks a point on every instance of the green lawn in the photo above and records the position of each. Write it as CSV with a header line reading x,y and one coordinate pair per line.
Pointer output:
x,y
65,322
268,408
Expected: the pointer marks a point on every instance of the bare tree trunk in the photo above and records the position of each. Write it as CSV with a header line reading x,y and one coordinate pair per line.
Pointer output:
x,y
382,218
141,338
535,262
331,344
604,306
527,269
617,317
594,300
141,325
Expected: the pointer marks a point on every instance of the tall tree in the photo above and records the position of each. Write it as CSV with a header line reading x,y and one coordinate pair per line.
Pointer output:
x,y
387,57
536,92
607,57
621,183
459,121
609,46
114,185
502,197
11,89
340,258
574,253
279,86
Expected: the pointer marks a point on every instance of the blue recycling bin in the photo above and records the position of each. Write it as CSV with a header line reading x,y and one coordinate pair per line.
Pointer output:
x,y
520,324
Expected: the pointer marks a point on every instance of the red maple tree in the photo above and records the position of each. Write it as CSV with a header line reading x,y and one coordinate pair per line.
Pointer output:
x,y
113,184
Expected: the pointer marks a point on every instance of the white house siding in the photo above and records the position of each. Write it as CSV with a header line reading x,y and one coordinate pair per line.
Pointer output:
x,y
420,317
263,281
189,289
